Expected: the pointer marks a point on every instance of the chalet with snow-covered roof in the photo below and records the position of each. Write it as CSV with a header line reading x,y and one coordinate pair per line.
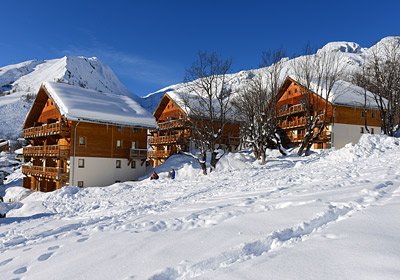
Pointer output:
x,y
82,137
345,113
174,130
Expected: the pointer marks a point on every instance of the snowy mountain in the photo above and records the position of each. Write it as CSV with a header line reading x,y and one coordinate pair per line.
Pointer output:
x,y
20,82
351,54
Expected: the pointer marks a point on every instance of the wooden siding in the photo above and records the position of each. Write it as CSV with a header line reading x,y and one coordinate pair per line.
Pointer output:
x,y
101,140
354,115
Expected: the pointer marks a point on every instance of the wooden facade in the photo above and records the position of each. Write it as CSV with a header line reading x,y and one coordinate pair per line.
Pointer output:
x,y
291,112
55,140
174,132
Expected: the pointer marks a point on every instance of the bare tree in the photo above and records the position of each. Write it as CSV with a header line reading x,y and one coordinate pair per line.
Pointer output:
x,y
256,105
361,79
207,101
381,76
317,75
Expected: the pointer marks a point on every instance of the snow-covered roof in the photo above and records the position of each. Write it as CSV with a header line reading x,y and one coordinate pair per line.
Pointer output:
x,y
76,103
348,94
191,103
344,93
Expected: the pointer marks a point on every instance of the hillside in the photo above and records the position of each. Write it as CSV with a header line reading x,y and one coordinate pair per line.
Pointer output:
x,y
20,82
333,215
352,55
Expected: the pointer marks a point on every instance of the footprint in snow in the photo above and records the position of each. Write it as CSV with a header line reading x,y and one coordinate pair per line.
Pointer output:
x,y
82,239
52,248
21,270
45,257
6,261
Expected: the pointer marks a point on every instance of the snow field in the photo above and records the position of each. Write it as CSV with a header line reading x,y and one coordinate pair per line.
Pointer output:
x,y
240,222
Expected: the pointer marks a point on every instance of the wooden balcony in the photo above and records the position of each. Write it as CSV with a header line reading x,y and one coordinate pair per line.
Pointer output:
x,y
162,140
60,151
47,130
180,123
159,154
44,172
298,108
300,122
138,153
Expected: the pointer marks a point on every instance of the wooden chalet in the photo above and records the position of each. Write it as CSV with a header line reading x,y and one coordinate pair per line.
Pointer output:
x,y
174,131
345,113
4,145
83,138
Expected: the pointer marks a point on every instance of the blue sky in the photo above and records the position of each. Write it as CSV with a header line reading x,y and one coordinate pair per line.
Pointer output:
x,y
149,44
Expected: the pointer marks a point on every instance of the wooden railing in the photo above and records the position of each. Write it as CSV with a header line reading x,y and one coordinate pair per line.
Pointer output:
x,y
172,124
170,139
325,136
45,172
47,151
159,154
291,110
300,122
138,153
46,130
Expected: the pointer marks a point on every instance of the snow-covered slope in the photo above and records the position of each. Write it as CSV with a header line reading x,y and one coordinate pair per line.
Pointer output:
x,y
351,54
332,215
20,82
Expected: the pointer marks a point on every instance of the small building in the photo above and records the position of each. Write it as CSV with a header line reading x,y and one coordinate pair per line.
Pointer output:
x,y
84,138
345,114
4,145
174,130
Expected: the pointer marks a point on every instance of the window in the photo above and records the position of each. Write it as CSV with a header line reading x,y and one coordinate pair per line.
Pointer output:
x,y
82,140
372,130
363,114
373,114
295,90
362,130
80,184
81,163
118,163
133,164
133,145
119,143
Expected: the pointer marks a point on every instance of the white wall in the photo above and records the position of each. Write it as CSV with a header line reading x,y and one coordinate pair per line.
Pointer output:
x,y
343,134
103,171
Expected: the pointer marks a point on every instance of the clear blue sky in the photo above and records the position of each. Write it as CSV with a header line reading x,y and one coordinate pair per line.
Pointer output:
x,y
149,44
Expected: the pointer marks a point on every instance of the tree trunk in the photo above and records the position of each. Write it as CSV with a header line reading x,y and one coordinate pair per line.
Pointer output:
x,y
263,157
202,163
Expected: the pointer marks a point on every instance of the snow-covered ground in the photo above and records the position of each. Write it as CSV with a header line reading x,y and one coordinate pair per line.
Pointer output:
x,y
333,215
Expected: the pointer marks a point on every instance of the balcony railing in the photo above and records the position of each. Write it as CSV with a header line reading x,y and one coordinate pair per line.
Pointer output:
x,y
300,122
44,172
291,110
325,136
47,151
46,130
159,154
138,153
180,123
170,139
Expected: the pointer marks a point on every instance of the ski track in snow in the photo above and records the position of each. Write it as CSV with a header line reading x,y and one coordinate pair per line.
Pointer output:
x,y
339,183
277,239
